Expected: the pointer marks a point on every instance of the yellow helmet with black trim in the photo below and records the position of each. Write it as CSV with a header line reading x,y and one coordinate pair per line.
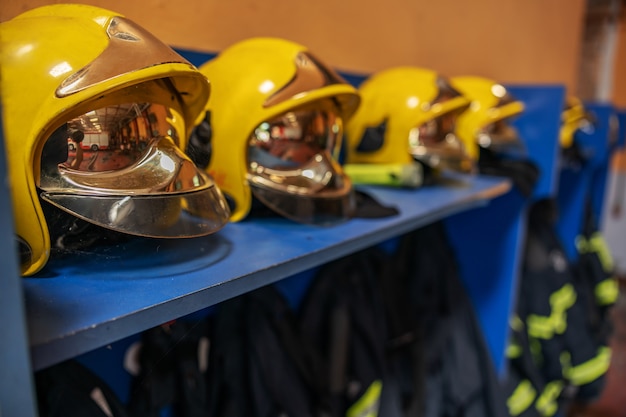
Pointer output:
x,y
275,118
71,67
485,123
407,113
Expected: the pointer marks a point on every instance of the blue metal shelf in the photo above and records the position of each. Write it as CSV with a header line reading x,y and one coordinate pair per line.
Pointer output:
x,y
89,300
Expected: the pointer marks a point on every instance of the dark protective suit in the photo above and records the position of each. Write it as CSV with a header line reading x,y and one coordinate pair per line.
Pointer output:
x,y
570,360
324,358
69,389
594,275
439,360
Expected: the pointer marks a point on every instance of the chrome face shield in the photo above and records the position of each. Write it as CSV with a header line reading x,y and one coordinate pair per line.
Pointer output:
x,y
292,171
501,138
120,167
435,144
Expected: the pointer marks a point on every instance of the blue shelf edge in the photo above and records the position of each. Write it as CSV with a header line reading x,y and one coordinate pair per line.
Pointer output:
x,y
75,307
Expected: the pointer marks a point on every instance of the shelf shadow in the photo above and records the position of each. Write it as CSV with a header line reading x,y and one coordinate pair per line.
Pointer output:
x,y
139,258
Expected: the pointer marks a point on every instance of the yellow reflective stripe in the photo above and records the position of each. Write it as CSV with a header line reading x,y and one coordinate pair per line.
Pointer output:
x,y
596,244
563,298
582,244
513,350
599,246
540,326
547,404
367,405
607,291
590,370
544,327
521,398
559,321
566,362
516,323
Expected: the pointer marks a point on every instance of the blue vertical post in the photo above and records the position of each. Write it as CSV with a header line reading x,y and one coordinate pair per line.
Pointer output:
x,y
489,241
17,395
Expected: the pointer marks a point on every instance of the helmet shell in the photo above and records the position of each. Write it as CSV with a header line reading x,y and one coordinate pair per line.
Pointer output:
x,y
573,117
254,81
490,103
401,98
60,61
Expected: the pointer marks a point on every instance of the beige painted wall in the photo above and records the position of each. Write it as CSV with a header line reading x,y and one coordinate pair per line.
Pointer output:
x,y
619,73
507,40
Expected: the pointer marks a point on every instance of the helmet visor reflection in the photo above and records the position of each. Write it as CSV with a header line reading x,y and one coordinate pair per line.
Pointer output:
x,y
435,144
293,152
501,137
292,171
119,167
293,139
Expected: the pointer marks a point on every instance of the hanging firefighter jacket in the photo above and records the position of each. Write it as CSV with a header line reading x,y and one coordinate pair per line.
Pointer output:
x,y
170,375
324,360
594,273
439,360
69,389
571,362
523,381
258,365
342,317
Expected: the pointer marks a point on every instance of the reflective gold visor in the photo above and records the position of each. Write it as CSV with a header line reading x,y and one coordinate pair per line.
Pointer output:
x,y
293,139
501,137
120,167
435,144
291,167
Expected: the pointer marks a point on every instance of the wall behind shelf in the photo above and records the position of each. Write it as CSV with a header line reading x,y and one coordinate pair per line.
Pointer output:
x,y
619,81
510,41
